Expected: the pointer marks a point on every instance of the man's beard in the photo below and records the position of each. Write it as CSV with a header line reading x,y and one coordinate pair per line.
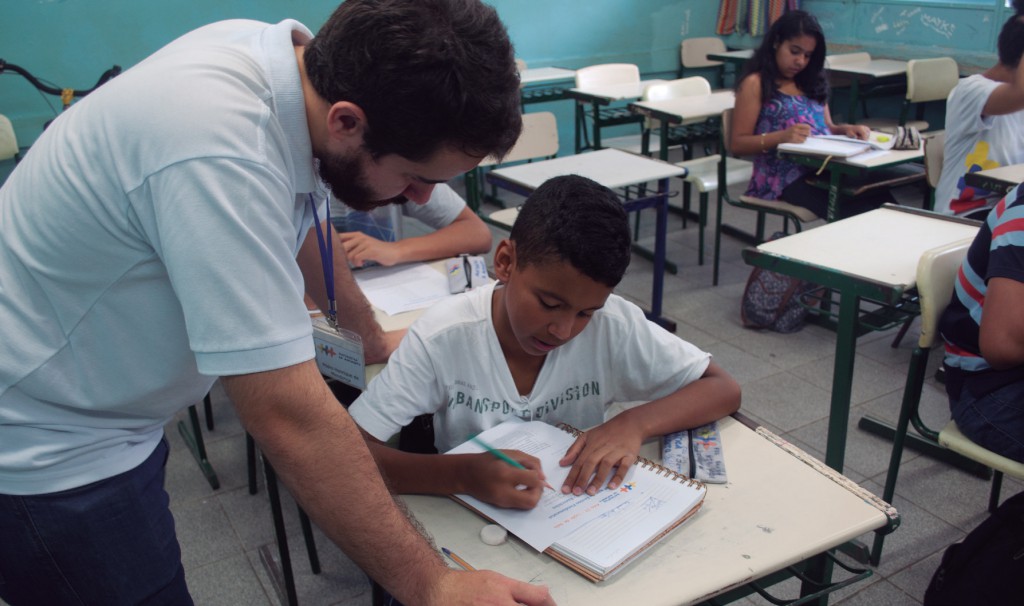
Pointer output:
x,y
345,177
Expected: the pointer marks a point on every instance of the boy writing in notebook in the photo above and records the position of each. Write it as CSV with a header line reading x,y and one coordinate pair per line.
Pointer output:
x,y
548,341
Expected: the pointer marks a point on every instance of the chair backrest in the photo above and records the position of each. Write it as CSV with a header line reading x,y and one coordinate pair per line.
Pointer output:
x,y
847,59
726,129
934,153
8,142
539,139
520,65
931,79
693,52
607,73
936,275
683,87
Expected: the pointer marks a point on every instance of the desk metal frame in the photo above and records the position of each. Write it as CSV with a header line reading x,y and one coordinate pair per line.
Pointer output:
x,y
840,168
893,254
997,180
599,97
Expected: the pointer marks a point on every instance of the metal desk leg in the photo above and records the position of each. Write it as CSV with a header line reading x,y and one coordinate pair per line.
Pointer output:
x,y
834,181
194,439
661,233
854,95
842,380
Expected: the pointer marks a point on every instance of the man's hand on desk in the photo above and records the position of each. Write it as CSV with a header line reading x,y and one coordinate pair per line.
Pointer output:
x,y
360,248
490,588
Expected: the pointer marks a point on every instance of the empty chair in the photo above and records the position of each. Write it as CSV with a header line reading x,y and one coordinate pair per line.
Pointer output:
x,y
693,55
538,139
8,141
928,80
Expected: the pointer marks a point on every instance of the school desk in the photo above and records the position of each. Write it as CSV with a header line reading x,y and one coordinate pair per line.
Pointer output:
x,y
780,511
541,84
736,58
614,169
869,258
839,169
683,110
871,72
597,97
997,180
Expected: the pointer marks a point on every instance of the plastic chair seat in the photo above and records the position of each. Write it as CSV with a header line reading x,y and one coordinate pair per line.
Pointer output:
x,y
951,438
702,173
800,212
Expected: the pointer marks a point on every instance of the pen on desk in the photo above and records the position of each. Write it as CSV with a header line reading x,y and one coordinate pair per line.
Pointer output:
x,y
504,457
457,559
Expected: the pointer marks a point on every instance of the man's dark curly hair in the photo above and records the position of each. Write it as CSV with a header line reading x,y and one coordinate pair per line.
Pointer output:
x,y
427,73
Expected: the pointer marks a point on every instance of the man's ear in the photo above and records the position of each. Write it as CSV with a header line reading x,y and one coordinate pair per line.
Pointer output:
x,y
346,121
504,259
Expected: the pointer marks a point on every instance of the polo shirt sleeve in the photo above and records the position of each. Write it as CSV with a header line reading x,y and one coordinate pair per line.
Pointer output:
x,y
226,231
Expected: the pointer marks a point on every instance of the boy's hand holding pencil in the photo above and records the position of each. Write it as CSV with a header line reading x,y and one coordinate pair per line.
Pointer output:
x,y
510,478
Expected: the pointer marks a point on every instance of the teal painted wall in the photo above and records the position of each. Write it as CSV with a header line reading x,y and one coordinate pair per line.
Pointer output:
x,y
71,42
965,29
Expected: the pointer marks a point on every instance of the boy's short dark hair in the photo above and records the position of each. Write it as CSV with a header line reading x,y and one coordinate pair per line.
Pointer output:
x,y
574,219
1011,41
427,73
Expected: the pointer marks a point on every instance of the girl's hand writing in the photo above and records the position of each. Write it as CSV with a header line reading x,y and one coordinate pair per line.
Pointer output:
x,y
796,133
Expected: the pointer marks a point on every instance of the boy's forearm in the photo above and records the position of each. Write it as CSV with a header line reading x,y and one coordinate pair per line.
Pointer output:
x,y
713,396
412,473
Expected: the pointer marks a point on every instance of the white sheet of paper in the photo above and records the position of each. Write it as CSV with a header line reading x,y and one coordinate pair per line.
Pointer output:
x,y
403,287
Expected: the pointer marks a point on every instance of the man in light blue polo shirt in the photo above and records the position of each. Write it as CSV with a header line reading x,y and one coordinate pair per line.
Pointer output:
x,y
155,240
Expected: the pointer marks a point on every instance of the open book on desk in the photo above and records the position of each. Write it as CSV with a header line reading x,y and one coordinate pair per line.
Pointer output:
x,y
598,535
839,146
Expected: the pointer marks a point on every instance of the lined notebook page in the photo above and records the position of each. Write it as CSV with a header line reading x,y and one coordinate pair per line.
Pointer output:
x,y
597,531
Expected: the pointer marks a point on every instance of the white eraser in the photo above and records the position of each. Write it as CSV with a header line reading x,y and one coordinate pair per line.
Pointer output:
x,y
492,534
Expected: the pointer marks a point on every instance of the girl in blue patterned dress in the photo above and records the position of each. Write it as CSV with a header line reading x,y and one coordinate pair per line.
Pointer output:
x,y
782,97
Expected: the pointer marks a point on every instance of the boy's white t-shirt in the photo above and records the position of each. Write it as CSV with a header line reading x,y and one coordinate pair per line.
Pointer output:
x,y
975,142
451,364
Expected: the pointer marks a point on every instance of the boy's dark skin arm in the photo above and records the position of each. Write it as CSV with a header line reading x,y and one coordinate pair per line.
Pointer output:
x,y
480,475
615,444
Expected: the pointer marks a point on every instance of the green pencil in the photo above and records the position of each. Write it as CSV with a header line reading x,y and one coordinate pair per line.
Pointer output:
x,y
504,457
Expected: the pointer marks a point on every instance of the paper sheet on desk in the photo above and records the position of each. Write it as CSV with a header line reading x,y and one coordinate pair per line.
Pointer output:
x,y
402,288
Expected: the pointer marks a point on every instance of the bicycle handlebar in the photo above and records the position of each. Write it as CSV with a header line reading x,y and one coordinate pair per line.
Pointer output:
x,y
107,75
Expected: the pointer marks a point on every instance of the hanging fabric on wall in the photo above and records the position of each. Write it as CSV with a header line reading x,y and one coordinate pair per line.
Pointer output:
x,y
751,16
757,17
727,17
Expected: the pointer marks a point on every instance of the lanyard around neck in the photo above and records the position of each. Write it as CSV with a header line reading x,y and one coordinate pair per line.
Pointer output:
x,y
326,257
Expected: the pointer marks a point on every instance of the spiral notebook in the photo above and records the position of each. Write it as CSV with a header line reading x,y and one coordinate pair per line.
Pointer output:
x,y
594,535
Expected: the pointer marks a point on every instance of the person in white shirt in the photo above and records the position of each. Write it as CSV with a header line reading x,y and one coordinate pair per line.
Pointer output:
x,y
984,126
548,342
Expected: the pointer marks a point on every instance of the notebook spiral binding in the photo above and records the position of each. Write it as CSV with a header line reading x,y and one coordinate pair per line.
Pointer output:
x,y
644,462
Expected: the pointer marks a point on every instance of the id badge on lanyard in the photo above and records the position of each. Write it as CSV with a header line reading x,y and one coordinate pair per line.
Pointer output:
x,y
339,352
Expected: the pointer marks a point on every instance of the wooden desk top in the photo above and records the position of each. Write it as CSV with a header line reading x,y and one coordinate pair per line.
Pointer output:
x,y
543,75
683,109
875,68
1002,178
614,92
882,245
775,510
610,167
